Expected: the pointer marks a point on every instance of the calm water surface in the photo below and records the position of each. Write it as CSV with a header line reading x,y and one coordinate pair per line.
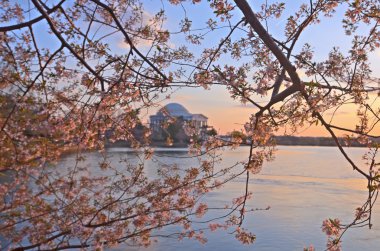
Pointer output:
x,y
303,186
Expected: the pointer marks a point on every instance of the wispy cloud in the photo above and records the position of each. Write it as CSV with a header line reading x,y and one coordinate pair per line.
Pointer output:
x,y
140,44
245,106
377,52
147,19
338,113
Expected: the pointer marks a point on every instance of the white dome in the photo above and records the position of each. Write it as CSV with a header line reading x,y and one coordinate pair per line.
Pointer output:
x,y
174,110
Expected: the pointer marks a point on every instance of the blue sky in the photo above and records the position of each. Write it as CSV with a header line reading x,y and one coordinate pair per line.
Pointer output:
x,y
226,114
223,112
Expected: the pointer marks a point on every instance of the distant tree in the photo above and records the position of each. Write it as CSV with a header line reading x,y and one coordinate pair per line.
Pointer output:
x,y
73,69
212,132
238,136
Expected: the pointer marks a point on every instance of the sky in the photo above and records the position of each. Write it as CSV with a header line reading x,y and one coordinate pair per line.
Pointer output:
x,y
226,114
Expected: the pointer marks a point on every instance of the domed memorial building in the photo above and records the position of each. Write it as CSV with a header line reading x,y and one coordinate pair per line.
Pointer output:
x,y
176,116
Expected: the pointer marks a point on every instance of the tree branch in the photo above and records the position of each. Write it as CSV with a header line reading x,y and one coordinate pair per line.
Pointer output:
x,y
31,22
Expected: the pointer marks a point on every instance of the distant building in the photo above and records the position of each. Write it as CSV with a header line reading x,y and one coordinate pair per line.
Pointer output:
x,y
179,113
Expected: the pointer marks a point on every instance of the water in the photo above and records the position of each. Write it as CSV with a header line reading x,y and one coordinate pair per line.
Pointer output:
x,y
303,186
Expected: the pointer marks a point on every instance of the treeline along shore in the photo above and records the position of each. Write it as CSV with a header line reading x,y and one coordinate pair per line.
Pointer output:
x,y
318,141
280,140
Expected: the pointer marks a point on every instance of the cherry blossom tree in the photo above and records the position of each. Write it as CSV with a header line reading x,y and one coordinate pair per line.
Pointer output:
x,y
74,70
